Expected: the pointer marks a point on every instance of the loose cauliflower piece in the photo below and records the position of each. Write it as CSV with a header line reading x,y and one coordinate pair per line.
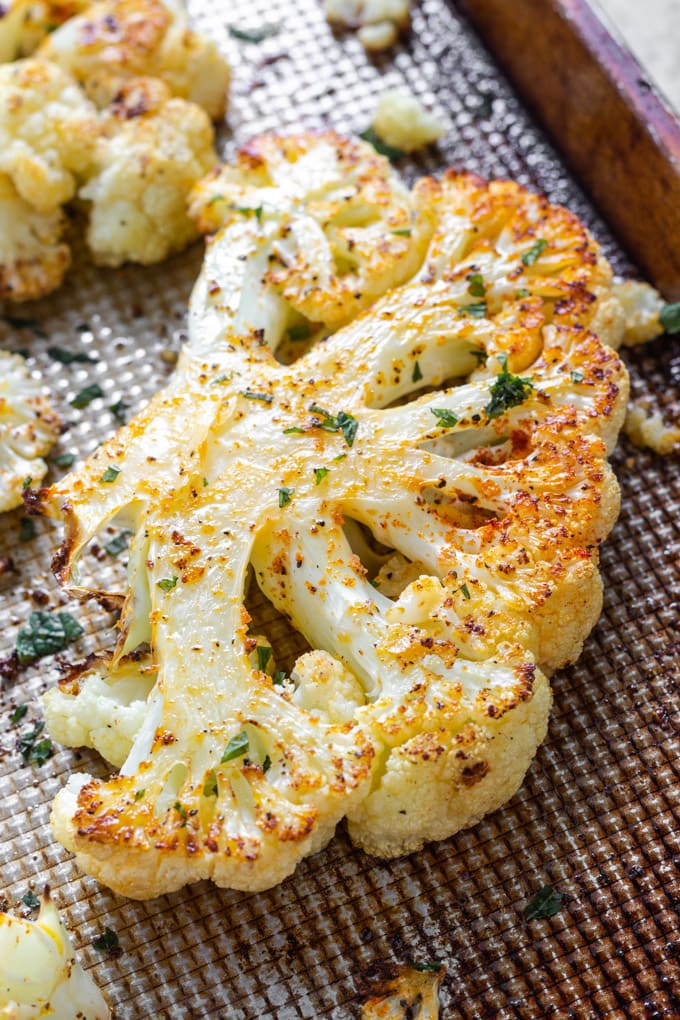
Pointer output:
x,y
402,121
404,992
153,150
649,431
378,22
39,973
28,429
116,40
464,417
32,259
48,131
25,23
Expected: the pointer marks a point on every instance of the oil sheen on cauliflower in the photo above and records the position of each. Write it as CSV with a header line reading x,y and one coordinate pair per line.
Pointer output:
x,y
445,429
39,973
116,40
152,151
28,429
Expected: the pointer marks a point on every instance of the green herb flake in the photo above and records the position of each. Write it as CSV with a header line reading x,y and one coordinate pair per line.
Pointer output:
x,y
27,529
266,398
65,357
476,310
417,375
264,654
210,787
206,483
507,390
392,153
266,764
64,460
220,379
110,474
31,900
279,677
480,355
476,284
402,232
534,252
17,322
26,484
577,376
87,395
182,812
294,430
522,293
446,419
236,748
348,425
340,456
107,943
466,591
425,968
18,714
216,198
139,794
118,544
669,317
546,903
33,750
46,634
300,332
254,35
320,474
248,210
118,411
166,583
285,495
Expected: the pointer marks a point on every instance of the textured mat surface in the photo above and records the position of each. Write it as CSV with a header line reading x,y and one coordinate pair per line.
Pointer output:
x,y
597,817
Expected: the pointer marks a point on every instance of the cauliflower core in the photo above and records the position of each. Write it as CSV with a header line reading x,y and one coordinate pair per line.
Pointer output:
x,y
39,973
28,430
422,493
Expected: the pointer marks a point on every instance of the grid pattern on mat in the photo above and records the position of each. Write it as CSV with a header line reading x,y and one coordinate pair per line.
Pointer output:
x,y
598,814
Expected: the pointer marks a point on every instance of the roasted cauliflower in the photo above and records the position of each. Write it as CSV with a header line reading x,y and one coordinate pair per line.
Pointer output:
x,y
39,973
33,260
25,23
402,121
378,22
453,409
116,40
28,429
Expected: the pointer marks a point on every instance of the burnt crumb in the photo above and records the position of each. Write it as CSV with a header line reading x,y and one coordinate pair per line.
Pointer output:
x,y
40,597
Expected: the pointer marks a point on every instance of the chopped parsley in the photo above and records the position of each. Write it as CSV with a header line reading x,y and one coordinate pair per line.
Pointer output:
x,y
476,284
31,900
340,422
466,591
416,375
65,357
254,35
64,460
236,747
320,474
34,750
477,310
392,153
27,529
87,395
402,232
446,419
425,968
546,903
264,654
577,376
182,812
285,495
480,355
279,677
18,714
534,252
107,943
669,317
210,787
110,474
266,764
522,293
166,583
300,332
118,543
118,411
46,634
139,794
220,379
219,197
247,210
26,484
266,398
507,390
294,430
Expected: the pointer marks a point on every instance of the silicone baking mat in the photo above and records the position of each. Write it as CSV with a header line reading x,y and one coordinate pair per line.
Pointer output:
x,y
596,818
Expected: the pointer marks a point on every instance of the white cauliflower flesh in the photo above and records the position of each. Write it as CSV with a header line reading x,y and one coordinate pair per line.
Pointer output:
x,y
462,420
25,23
39,973
153,150
378,22
648,430
116,40
33,260
28,430
402,121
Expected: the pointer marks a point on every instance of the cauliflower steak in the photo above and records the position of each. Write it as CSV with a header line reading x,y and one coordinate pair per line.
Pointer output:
x,y
421,493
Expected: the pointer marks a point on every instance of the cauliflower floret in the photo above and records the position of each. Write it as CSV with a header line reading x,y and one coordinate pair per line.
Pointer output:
x,y
378,21
32,260
25,23
39,973
641,306
325,688
402,121
152,153
650,430
403,991
115,40
48,131
28,429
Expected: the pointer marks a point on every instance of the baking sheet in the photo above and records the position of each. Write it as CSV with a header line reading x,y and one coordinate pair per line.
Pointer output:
x,y
597,815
